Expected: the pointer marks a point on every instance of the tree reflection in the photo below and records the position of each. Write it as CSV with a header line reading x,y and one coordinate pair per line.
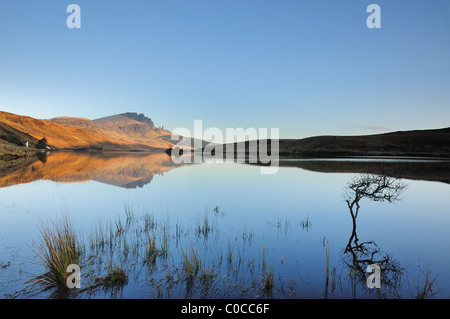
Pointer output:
x,y
42,156
358,255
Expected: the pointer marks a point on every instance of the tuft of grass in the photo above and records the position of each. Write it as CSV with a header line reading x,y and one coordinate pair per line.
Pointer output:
x,y
267,273
102,235
327,280
60,248
306,223
151,252
116,276
120,230
204,226
191,262
149,222
178,230
165,244
129,213
229,253
268,279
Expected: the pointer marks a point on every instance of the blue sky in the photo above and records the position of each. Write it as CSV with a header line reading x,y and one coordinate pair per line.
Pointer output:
x,y
306,67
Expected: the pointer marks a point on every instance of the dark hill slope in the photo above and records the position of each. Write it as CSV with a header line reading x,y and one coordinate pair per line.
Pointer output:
x,y
422,143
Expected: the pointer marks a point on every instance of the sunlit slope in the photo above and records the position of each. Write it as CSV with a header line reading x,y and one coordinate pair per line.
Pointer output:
x,y
76,122
7,133
128,128
134,128
58,135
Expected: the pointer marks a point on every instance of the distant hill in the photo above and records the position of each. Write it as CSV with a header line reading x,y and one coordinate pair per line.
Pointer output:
x,y
426,143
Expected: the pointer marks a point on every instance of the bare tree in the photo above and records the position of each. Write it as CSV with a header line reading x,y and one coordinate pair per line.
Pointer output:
x,y
378,188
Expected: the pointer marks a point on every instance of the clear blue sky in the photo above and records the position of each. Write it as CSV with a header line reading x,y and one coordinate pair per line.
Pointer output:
x,y
306,67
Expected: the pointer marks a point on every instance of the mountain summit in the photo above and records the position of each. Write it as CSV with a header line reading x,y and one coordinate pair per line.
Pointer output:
x,y
139,117
134,128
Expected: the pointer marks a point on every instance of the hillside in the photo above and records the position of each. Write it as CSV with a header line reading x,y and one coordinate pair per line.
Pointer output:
x,y
57,135
428,143
133,131
128,131
421,143
16,137
76,122
134,128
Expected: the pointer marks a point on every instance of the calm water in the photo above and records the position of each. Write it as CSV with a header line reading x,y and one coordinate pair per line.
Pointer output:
x,y
286,222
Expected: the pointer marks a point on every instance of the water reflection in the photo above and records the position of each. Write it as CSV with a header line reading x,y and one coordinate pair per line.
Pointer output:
x,y
250,257
437,170
358,255
123,170
132,170
42,156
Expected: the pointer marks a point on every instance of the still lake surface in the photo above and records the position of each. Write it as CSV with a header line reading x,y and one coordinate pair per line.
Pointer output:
x,y
296,223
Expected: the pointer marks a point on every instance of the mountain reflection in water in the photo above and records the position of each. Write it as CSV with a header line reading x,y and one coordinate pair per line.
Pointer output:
x,y
133,170
123,170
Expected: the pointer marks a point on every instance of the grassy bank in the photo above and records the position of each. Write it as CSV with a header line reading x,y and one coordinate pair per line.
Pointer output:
x,y
10,152
13,158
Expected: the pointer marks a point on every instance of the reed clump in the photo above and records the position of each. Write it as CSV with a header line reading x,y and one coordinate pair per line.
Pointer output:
x,y
191,262
60,248
151,252
116,276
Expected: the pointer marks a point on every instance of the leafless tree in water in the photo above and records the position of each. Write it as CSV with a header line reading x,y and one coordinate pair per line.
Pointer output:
x,y
377,188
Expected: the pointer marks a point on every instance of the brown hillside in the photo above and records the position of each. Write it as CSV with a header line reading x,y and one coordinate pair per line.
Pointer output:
x,y
134,128
58,135
76,121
